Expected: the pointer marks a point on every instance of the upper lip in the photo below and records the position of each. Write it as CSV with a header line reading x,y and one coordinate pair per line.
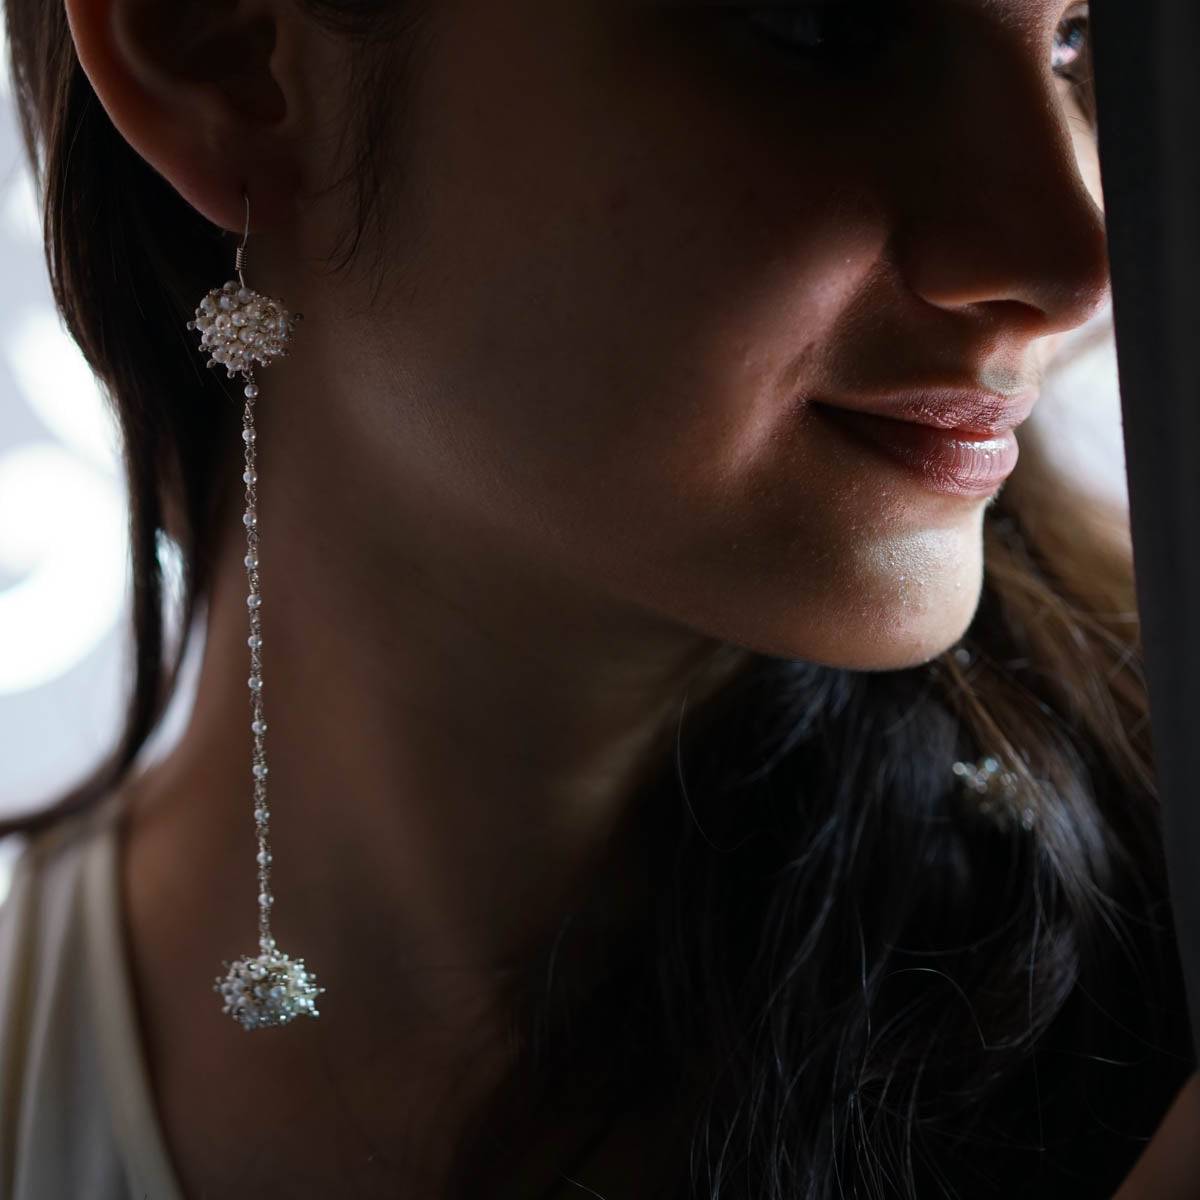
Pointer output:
x,y
966,410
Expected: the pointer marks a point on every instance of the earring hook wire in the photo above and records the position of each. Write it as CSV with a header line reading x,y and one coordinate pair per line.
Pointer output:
x,y
239,260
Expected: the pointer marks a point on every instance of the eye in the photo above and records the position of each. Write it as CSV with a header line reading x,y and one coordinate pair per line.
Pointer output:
x,y
841,30
1069,54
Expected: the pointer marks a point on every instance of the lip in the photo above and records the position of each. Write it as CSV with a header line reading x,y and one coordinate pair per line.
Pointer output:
x,y
961,445
971,411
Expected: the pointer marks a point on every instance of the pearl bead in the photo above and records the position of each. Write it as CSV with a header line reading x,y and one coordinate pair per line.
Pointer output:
x,y
265,899
254,600
251,390
225,303
249,519
258,726
260,815
255,683
248,435
260,770
244,295
254,642
251,560
249,476
264,858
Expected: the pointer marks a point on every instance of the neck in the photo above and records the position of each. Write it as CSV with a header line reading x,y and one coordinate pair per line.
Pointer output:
x,y
455,736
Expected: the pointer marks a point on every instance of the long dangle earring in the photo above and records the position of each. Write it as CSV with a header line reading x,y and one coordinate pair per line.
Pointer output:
x,y
239,328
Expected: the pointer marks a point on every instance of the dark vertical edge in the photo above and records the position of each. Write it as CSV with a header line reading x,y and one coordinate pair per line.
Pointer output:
x,y
1148,99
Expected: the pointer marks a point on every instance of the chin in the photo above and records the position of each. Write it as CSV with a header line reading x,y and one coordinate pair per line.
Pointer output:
x,y
908,638
894,635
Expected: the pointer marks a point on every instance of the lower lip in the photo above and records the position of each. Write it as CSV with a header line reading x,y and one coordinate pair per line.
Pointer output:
x,y
950,461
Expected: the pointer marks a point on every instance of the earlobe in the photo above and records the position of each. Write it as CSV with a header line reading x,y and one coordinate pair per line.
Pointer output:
x,y
190,85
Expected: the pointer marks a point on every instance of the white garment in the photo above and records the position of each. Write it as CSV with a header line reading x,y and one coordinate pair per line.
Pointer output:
x,y
77,1118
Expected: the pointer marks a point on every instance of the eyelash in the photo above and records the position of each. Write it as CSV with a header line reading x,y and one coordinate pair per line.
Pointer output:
x,y
813,23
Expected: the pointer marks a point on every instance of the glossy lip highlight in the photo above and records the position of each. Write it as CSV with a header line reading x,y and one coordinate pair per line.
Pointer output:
x,y
973,412
949,461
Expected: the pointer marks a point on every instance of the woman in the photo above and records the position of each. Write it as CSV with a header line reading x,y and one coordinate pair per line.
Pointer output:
x,y
616,663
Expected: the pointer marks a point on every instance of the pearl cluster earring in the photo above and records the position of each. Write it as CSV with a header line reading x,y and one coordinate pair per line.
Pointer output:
x,y
240,328
993,791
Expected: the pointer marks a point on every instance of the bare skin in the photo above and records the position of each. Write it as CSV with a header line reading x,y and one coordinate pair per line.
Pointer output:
x,y
544,487
1169,1168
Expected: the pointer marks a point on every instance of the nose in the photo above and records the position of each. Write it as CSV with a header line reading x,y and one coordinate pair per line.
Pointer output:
x,y
994,209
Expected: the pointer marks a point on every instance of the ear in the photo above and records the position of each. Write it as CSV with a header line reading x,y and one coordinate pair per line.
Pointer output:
x,y
210,94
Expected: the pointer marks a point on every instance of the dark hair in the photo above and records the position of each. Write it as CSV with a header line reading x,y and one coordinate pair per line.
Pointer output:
x,y
849,981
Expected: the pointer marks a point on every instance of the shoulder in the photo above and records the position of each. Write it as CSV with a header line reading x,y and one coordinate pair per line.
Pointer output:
x,y
42,914
45,867
48,871
42,925
54,1123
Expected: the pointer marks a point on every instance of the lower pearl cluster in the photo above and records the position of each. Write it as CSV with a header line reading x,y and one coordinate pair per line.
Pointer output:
x,y
270,989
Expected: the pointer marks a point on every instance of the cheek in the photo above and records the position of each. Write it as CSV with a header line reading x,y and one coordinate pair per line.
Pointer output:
x,y
620,299
622,282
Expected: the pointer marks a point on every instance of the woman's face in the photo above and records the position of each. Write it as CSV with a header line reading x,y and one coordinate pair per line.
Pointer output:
x,y
637,245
